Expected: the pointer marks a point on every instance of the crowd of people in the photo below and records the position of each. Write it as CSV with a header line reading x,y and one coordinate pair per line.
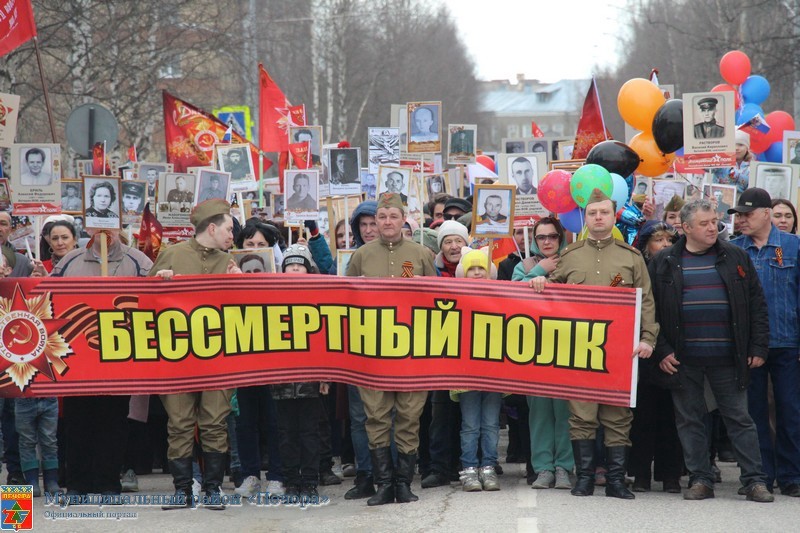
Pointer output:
x,y
719,322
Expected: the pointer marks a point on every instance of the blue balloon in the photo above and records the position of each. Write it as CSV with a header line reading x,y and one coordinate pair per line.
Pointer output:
x,y
747,112
572,220
774,154
761,157
630,181
679,151
755,90
620,191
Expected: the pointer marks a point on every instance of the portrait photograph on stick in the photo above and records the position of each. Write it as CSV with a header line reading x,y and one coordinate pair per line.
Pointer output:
x,y
424,124
493,211
101,202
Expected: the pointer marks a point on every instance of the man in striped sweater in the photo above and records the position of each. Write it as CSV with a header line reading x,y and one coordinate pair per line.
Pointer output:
x,y
714,327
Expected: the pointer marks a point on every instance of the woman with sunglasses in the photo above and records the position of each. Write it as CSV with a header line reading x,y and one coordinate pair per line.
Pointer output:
x,y
551,449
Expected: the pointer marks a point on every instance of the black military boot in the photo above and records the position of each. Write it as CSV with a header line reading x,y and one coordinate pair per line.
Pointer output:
x,y
583,450
383,470
403,475
615,477
364,487
213,474
181,470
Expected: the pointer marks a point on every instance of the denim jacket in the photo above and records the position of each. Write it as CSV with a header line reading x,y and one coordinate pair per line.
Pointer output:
x,y
780,279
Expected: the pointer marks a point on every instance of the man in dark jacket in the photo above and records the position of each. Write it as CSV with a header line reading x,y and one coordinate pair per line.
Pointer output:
x,y
714,327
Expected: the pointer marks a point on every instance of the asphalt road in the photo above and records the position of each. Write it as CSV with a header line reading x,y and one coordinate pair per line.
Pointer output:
x,y
516,507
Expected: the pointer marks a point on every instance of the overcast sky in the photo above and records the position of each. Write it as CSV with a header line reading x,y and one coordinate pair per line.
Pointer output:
x,y
546,40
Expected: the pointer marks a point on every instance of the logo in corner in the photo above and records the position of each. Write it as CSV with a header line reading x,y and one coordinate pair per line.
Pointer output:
x,y
29,338
16,507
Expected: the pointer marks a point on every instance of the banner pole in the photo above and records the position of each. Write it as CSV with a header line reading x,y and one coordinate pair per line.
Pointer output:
x,y
346,225
44,89
103,255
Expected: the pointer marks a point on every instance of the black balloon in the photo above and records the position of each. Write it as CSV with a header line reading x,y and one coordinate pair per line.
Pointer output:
x,y
668,126
614,156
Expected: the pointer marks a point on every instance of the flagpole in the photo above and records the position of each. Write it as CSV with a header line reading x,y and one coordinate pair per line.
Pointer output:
x,y
44,89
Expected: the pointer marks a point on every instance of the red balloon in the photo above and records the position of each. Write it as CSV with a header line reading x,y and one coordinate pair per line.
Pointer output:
x,y
758,141
486,161
554,193
724,87
779,121
734,67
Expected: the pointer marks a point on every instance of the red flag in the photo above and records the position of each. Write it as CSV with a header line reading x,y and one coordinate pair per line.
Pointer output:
x,y
283,164
150,233
297,115
100,166
536,131
273,114
132,154
191,134
502,248
299,153
17,26
591,127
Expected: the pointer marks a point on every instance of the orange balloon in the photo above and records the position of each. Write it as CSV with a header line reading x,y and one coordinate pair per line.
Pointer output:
x,y
653,161
637,101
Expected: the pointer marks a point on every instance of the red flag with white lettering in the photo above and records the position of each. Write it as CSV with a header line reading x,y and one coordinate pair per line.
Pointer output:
x,y
17,26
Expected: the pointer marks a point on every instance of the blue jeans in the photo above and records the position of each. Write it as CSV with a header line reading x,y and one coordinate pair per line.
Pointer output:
x,y
37,422
480,421
358,431
781,459
690,411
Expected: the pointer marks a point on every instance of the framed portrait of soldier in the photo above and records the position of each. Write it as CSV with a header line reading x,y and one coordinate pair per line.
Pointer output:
x,y
523,171
343,166
791,147
643,186
311,135
255,260
777,179
663,192
513,145
176,198
150,172
461,143
5,195
537,145
235,159
212,184
493,211
35,178
72,197
725,197
424,127
383,147
302,190
396,180
709,129
101,202
694,185
436,184
134,198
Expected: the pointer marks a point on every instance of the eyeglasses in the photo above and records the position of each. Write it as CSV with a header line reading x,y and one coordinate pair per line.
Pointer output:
x,y
450,216
548,237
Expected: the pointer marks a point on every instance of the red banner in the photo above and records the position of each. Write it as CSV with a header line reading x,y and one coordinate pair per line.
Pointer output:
x,y
191,134
72,336
273,114
300,152
17,26
591,126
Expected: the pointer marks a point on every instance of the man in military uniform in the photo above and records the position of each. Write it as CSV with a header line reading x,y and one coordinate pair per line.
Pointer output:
x,y
602,260
132,198
391,256
205,253
708,129
179,193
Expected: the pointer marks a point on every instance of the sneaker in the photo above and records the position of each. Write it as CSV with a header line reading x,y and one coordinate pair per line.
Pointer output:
x,y
249,487
196,488
349,470
470,480
275,487
488,478
758,492
698,491
562,479
129,481
545,480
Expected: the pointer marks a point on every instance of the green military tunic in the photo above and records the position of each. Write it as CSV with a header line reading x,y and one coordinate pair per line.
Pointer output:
x,y
191,257
608,262
382,259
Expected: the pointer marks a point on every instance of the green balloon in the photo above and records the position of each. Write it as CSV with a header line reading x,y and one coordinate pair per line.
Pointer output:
x,y
588,178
